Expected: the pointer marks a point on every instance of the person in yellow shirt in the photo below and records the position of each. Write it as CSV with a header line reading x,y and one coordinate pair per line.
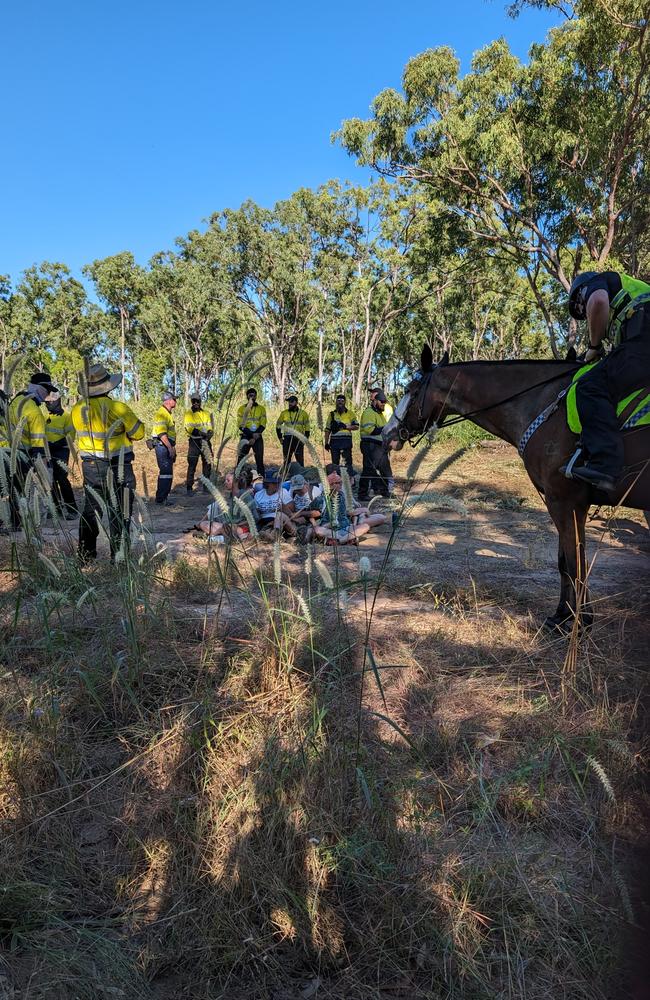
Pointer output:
x,y
105,430
338,433
59,430
198,427
372,449
164,432
388,411
297,419
251,420
25,417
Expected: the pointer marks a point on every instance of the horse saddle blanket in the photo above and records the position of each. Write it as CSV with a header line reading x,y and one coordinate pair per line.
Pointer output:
x,y
633,411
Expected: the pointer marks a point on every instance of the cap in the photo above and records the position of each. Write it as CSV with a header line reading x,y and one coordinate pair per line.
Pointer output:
x,y
298,481
168,395
195,399
44,379
341,395
292,399
380,396
271,476
250,391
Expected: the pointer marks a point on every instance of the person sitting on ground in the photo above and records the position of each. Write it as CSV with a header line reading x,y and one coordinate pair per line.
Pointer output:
x,y
336,526
302,496
235,524
273,505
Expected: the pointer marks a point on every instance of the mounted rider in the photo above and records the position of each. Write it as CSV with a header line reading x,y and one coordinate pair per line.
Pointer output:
x,y
617,307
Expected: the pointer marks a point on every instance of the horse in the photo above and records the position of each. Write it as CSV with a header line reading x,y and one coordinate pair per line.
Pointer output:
x,y
521,403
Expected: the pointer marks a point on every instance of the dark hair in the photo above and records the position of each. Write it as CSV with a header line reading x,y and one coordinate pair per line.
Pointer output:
x,y
245,478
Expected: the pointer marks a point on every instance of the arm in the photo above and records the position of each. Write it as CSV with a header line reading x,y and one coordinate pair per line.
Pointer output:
x,y
597,322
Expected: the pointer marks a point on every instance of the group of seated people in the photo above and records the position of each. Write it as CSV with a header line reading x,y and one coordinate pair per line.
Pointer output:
x,y
295,505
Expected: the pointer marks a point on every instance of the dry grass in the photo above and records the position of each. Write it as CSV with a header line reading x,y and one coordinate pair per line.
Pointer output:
x,y
215,784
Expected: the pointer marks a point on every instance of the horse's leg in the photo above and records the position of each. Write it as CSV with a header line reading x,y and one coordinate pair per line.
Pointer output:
x,y
570,524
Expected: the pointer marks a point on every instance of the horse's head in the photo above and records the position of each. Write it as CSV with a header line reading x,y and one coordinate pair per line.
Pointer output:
x,y
420,407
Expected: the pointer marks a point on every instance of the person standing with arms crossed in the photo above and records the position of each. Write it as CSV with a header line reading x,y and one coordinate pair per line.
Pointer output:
x,y
338,434
296,419
164,432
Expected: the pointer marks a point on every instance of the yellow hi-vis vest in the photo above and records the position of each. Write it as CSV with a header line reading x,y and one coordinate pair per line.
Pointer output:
x,y
251,418
58,427
347,417
633,294
163,423
297,419
24,408
197,420
104,427
372,421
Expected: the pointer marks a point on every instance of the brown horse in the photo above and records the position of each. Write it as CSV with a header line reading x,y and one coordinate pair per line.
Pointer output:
x,y
505,397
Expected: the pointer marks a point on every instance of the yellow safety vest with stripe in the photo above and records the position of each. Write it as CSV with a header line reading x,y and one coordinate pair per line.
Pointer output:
x,y
251,418
163,423
297,419
58,427
632,295
347,417
197,422
372,422
388,411
25,411
104,427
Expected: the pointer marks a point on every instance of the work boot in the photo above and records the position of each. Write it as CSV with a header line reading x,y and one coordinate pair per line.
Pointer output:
x,y
599,480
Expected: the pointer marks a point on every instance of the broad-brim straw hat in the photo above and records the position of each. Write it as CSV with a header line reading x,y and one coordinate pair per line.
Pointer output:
x,y
99,381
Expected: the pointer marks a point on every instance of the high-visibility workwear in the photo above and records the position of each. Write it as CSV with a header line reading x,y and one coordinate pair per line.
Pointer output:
x,y
197,423
251,418
104,427
58,427
634,295
372,423
296,419
163,423
334,424
25,411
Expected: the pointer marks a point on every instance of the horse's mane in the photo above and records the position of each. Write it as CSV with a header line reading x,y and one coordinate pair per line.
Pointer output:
x,y
517,361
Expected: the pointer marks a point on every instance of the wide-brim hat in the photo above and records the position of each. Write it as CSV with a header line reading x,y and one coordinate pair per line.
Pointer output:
x,y
98,381
271,476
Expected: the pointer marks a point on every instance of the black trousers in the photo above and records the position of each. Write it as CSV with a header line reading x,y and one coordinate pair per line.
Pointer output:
x,y
62,492
374,469
626,368
198,448
101,475
293,449
165,472
257,447
17,488
342,450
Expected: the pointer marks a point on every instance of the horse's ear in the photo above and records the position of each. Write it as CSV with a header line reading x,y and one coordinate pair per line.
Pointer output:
x,y
444,360
426,359
571,354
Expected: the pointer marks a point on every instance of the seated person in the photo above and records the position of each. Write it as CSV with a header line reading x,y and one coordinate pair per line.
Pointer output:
x,y
217,522
303,495
273,505
336,526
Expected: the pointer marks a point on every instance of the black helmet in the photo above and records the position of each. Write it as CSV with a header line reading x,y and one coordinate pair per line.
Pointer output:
x,y
577,305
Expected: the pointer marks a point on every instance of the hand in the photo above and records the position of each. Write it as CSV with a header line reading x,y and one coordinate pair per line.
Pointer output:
x,y
593,354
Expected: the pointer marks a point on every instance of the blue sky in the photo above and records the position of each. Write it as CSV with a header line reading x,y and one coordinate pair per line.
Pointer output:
x,y
126,124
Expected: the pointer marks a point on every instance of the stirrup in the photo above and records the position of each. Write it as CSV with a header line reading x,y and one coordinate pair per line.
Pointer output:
x,y
568,468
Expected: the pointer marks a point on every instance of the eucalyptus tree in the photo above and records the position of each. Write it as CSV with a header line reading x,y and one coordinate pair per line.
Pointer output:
x,y
120,283
545,162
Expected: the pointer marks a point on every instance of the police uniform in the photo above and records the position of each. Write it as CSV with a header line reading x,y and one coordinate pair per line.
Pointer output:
x,y
291,447
373,473
163,423
251,419
105,429
340,440
625,368
198,427
59,430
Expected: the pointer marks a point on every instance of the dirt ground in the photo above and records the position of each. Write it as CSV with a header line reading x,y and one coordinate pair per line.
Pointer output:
x,y
480,523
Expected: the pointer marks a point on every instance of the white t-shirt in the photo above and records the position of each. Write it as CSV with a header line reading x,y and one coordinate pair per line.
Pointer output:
x,y
267,505
303,500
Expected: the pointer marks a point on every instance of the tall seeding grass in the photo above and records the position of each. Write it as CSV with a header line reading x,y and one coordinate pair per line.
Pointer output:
x,y
225,777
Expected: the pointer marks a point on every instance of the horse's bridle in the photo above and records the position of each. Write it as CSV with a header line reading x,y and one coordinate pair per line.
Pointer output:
x,y
406,436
